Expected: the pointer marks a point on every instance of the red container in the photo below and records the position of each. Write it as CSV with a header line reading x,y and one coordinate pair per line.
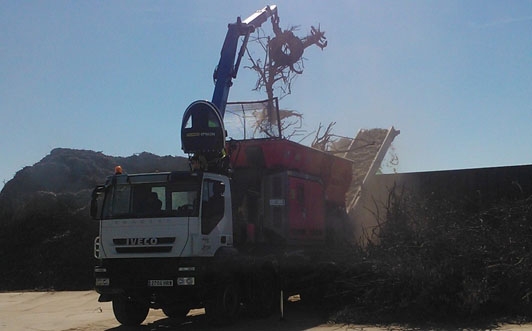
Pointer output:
x,y
281,154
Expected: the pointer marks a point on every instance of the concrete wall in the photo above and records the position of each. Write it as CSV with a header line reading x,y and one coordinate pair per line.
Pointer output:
x,y
485,184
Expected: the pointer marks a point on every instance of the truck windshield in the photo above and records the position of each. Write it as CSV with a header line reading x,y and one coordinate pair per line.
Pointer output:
x,y
151,200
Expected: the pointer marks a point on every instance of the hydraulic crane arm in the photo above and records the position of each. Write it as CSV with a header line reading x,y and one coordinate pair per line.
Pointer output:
x,y
227,67
202,128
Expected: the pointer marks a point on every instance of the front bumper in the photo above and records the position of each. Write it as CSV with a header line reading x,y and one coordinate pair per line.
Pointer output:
x,y
155,280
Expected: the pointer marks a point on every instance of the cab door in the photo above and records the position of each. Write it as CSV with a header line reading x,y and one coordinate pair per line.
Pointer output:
x,y
216,217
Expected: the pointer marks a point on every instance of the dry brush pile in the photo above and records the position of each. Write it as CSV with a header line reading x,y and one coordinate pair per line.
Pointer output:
x,y
46,233
441,257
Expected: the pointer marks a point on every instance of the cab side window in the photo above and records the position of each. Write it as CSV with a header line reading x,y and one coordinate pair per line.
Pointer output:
x,y
213,205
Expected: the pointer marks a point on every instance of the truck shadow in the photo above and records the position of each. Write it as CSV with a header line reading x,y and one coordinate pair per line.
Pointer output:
x,y
296,317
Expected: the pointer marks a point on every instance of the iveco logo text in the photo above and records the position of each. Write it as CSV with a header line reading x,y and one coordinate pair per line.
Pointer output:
x,y
141,241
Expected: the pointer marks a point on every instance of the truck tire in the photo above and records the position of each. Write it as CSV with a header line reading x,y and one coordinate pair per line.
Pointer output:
x,y
129,312
224,307
176,311
264,294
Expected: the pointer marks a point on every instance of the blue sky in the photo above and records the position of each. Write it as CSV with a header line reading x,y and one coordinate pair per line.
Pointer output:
x,y
116,76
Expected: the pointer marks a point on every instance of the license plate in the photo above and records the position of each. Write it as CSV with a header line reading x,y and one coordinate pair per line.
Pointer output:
x,y
160,282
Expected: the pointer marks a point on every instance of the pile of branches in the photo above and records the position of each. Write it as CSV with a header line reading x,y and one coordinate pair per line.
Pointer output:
x,y
441,258
47,245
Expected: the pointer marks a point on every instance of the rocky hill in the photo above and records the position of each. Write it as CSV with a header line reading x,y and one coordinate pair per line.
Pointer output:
x,y
46,233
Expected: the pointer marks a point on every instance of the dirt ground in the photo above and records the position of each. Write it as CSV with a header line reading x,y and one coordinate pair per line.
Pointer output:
x,y
81,311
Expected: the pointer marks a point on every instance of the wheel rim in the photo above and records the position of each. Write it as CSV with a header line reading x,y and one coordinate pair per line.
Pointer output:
x,y
230,300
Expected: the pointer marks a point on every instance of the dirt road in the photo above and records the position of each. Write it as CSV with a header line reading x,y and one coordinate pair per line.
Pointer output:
x,y
81,311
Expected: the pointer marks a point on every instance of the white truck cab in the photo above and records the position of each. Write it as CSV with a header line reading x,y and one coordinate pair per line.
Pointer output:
x,y
174,214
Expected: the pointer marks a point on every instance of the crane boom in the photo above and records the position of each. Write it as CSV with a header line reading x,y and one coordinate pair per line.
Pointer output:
x,y
227,67
202,127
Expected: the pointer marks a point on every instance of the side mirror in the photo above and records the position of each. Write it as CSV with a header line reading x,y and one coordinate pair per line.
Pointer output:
x,y
96,193
94,209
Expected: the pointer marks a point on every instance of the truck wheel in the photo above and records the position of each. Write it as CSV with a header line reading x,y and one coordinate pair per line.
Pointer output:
x,y
264,295
176,311
224,307
129,312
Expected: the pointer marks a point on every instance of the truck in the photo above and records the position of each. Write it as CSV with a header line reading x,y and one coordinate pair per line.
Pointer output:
x,y
252,221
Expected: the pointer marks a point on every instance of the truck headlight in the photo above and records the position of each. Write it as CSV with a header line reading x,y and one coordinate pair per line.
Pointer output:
x,y
97,247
